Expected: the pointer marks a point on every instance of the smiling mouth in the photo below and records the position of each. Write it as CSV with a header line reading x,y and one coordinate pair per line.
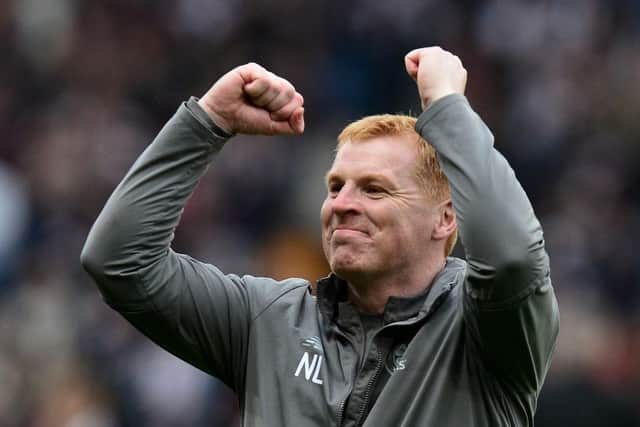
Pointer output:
x,y
348,232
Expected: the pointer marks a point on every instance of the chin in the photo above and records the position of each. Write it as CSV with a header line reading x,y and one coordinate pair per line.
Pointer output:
x,y
345,267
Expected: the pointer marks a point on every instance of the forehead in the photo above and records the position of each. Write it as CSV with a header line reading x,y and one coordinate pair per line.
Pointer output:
x,y
395,155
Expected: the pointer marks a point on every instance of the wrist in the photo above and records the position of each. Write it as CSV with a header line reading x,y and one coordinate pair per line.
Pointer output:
x,y
434,96
216,118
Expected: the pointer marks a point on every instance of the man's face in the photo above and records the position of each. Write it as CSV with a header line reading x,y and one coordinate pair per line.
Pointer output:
x,y
376,220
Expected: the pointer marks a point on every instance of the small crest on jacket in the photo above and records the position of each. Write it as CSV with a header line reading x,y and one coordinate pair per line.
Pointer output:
x,y
395,360
312,343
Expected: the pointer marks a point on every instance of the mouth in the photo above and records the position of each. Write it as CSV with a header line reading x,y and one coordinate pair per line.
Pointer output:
x,y
348,231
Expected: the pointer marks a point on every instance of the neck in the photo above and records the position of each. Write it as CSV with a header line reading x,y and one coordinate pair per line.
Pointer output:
x,y
370,294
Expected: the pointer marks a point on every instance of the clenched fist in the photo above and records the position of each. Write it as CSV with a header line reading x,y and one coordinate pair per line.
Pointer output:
x,y
436,72
252,100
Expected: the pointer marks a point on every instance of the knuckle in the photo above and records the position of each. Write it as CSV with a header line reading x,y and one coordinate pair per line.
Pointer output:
x,y
286,85
269,87
290,93
254,66
272,79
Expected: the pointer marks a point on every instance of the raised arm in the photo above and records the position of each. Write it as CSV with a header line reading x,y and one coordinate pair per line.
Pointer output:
x,y
189,308
510,307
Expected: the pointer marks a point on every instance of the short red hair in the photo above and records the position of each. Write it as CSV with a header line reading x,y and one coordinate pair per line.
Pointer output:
x,y
427,172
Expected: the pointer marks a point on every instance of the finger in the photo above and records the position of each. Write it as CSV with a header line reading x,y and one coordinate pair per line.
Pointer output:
x,y
287,93
256,88
417,54
267,93
281,127
296,121
414,55
252,71
295,124
285,112
411,62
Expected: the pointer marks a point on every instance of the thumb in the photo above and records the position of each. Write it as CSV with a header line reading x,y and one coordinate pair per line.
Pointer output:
x,y
411,63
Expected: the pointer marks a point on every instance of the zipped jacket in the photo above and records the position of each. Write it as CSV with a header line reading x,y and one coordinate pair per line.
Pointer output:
x,y
473,350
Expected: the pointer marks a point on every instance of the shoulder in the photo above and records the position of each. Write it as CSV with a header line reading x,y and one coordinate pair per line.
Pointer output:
x,y
268,292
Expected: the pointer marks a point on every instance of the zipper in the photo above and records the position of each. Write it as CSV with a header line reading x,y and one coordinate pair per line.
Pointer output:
x,y
367,391
359,367
341,408
344,401
436,303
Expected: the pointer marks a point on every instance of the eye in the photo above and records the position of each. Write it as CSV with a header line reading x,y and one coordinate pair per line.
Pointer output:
x,y
373,190
334,188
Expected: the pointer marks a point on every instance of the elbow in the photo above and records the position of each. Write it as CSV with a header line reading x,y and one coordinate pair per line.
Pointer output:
x,y
511,242
97,253
101,249
96,264
524,263
90,259
520,256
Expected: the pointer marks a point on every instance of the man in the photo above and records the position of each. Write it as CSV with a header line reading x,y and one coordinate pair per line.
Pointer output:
x,y
399,334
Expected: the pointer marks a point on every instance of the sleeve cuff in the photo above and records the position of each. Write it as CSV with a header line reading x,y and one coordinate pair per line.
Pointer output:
x,y
202,116
436,107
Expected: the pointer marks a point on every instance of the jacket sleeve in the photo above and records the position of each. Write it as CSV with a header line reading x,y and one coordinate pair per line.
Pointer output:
x,y
509,305
188,307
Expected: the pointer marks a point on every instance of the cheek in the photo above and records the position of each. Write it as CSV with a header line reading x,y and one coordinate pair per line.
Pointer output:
x,y
409,228
325,213
418,230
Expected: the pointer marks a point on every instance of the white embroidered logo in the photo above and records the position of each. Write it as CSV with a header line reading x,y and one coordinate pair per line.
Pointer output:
x,y
396,360
311,363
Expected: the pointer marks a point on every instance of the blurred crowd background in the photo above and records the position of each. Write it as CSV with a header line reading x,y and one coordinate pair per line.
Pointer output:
x,y
85,85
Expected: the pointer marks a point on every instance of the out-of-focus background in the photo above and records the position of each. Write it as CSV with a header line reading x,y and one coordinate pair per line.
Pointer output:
x,y
85,85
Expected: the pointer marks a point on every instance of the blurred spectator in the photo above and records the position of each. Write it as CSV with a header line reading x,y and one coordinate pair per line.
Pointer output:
x,y
14,212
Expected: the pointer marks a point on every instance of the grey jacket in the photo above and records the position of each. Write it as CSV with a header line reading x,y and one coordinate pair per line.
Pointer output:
x,y
473,351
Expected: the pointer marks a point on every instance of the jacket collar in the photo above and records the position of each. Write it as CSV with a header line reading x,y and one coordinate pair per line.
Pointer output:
x,y
333,297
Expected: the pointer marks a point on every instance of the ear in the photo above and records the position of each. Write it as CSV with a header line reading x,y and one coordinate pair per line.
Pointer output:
x,y
446,224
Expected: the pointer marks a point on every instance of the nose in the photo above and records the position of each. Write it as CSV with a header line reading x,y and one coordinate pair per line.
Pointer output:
x,y
346,201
